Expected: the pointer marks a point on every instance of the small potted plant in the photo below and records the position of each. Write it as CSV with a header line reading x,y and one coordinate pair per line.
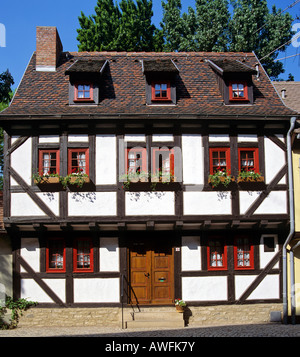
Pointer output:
x,y
180,305
220,177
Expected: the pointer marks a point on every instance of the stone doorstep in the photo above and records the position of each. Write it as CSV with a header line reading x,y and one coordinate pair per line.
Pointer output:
x,y
157,318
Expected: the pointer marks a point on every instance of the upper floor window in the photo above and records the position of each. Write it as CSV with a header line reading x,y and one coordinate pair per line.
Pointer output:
x,y
161,91
243,253
136,160
83,92
48,162
217,254
219,159
78,161
55,255
163,163
248,159
238,90
83,255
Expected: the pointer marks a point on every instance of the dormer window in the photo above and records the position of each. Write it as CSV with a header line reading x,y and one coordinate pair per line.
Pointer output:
x,y
85,80
161,91
238,90
83,92
161,76
234,77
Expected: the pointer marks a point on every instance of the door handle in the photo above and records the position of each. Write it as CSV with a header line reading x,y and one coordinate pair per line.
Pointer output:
x,y
147,275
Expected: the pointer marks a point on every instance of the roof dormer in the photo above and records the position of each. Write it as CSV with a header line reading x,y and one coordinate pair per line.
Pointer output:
x,y
84,84
160,77
235,80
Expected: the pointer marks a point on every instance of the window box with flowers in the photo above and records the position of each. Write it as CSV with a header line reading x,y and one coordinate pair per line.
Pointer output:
x,y
76,178
249,176
145,180
48,178
220,178
250,180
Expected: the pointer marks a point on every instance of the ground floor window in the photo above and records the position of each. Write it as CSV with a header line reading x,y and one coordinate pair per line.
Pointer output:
x,y
83,259
217,254
56,255
243,253
83,255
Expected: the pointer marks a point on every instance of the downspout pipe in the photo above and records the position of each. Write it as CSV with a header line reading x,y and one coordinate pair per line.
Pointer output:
x,y
292,219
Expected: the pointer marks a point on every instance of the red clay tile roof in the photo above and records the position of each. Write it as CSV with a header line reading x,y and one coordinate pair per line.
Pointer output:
x,y
292,93
81,66
123,87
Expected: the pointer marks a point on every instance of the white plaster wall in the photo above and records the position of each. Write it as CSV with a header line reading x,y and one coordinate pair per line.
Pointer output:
x,y
242,282
247,198
109,254
30,252
51,199
190,253
162,137
78,138
267,289
192,160
275,203
247,138
32,291
135,138
265,257
97,290
48,139
218,137
149,203
21,160
92,203
274,161
20,201
203,203
212,288
106,160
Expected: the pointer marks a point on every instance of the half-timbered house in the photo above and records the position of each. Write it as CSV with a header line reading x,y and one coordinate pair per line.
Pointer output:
x,y
140,142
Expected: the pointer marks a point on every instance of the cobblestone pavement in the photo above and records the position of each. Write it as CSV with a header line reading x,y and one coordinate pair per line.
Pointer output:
x,y
252,330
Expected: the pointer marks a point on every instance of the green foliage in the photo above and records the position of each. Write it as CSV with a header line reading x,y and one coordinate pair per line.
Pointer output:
x,y
123,27
207,26
6,94
251,176
211,27
17,307
220,177
6,81
253,28
173,25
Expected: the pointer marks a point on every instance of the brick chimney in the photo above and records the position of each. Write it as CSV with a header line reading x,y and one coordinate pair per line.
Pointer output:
x,y
48,48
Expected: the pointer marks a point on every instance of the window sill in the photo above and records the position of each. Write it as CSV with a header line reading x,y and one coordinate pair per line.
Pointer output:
x,y
83,101
165,104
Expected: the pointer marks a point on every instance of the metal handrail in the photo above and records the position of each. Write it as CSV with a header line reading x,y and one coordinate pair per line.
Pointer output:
x,y
128,295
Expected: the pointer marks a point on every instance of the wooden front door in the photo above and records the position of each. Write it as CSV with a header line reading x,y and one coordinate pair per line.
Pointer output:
x,y
151,274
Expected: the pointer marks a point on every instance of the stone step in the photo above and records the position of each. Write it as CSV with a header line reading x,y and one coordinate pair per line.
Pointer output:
x,y
156,318
155,324
157,315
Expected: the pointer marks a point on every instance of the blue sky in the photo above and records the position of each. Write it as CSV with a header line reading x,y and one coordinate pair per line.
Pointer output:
x,y
20,19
